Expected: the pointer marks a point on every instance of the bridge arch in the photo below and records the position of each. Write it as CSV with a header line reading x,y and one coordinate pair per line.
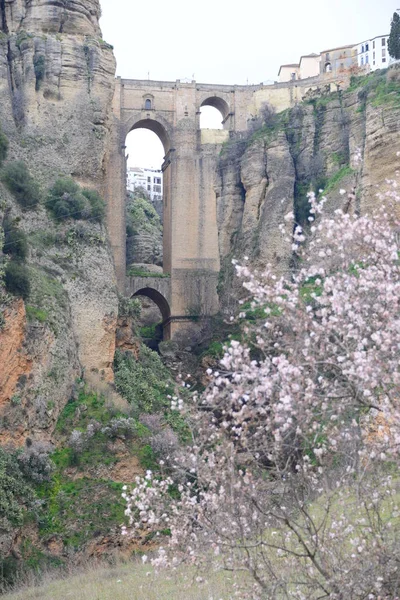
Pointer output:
x,y
158,299
218,103
157,125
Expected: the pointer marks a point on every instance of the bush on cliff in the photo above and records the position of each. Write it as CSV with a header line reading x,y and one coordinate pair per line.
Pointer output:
x,y
143,382
3,147
15,494
17,279
21,184
66,200
97,204
15,240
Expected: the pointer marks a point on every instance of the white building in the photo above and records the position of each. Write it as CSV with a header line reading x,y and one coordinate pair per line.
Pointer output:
x,y
149,179
373,54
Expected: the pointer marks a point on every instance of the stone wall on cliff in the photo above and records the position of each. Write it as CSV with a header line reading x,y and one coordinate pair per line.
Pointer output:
x,y
264,175
56,89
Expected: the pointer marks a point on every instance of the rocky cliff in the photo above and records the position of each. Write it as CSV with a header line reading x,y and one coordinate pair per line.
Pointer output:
x,y
56,87
267,173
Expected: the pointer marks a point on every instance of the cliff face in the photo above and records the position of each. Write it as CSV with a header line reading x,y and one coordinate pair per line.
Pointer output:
x,y
56,87
263,176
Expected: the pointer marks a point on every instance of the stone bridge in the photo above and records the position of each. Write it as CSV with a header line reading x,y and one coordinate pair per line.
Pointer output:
x,y
190,240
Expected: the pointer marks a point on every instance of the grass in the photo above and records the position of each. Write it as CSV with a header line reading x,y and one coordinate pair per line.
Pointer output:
x,y
134,272
36,314
337,178
126,582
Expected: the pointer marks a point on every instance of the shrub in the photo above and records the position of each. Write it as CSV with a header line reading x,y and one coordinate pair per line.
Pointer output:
x,y
129,307
39,64
142,216
66,200
15,240
97,204
120,427
21,184
15,494
143,382
3,147
17,279
268,114
35,463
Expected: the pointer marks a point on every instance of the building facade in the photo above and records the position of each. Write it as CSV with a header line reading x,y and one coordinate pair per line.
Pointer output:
x,y
289,72
309,66
373,54
150,180
338,60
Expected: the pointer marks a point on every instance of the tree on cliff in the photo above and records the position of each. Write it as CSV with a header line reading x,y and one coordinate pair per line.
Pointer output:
x,y
291,482
394,37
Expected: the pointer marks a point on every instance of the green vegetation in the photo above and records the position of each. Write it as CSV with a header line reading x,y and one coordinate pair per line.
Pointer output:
x,y
148,331
387,92
36,314
3,147
67,200
133,580
15,240
337,178
97,204
394,37
129,307
144,383
15,494
77,510
17,280
39,64
141,272
141,215
21,184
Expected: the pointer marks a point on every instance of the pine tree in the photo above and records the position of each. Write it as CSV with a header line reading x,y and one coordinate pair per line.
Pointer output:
x,y
394,37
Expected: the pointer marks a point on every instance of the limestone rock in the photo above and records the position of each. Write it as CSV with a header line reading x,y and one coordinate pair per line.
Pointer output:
x,y
56,89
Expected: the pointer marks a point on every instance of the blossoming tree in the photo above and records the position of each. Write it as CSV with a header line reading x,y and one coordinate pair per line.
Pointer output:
x,y
291,481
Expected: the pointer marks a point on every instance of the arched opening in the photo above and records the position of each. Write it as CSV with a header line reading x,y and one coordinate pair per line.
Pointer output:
x,y
147,223
328,67
155,311
147,104
214,112
210,118
146,145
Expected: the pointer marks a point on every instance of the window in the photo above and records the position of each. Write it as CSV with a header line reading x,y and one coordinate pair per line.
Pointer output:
x,y
157,180
292,76
383,52
366,47
147,104
149,188
148,179
373,56
366,59
383,41
383,59
362,49
327,56
362,60
373,44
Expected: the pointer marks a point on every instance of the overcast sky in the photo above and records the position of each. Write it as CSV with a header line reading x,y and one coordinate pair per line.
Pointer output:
x,y
235,42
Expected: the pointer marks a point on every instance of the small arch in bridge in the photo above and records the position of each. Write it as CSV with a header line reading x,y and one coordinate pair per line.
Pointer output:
x,y
158,299
218,103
